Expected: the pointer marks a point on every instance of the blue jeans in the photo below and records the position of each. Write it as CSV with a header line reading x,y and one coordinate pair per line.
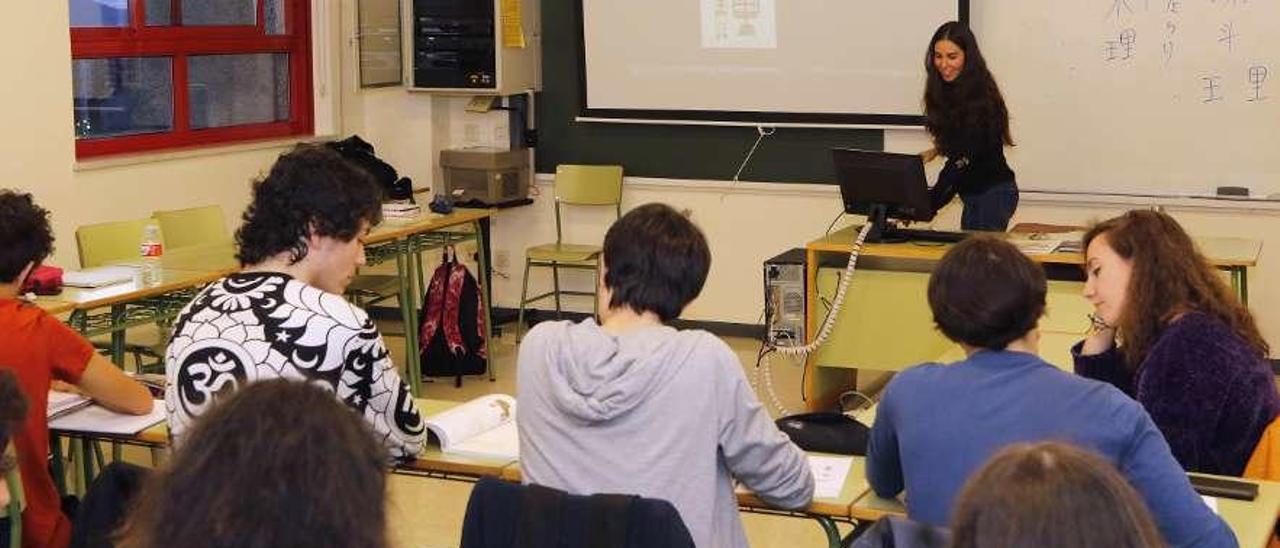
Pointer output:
x,y
989,209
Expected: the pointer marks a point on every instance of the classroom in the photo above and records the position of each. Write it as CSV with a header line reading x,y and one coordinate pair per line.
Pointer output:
x,y
1114,105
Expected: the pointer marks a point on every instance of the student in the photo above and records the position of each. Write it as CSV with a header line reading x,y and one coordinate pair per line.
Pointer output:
x,y
966,117
278,464
1050,495
41,349
1191,352
283,315
633,405
936,424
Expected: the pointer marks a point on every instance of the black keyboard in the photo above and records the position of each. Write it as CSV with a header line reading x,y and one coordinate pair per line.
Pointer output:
x,y
923,235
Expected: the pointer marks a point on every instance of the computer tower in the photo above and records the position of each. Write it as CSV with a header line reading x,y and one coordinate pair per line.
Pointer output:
x,y
460,46
784,296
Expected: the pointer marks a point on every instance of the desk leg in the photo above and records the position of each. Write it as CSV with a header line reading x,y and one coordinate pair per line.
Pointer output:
x,y
56,462
118,335
1240,282
829,527
404,270
482,258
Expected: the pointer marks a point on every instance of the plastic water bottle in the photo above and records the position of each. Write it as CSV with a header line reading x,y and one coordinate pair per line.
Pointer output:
x,y
151,250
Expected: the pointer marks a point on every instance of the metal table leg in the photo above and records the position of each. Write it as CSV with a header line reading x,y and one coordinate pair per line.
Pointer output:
x,y
485,297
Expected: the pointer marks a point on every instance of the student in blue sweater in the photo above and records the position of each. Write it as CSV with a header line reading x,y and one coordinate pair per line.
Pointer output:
x,y
937,424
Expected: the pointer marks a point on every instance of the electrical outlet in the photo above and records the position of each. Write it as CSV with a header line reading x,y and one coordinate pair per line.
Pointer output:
x,y
471,134
501,259
501,135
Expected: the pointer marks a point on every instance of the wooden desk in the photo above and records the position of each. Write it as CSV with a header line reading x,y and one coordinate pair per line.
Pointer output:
x,y
886,323
435,464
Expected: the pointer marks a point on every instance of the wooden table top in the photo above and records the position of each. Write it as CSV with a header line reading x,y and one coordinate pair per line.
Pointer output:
x,y
1221,252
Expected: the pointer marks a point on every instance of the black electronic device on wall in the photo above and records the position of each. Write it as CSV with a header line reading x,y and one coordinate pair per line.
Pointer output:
x,y
468,47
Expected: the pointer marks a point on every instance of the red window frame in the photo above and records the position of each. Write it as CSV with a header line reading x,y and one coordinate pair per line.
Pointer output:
x,y
178,42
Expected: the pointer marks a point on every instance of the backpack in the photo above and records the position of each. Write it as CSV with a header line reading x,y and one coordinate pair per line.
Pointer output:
x,y
451,330
360,152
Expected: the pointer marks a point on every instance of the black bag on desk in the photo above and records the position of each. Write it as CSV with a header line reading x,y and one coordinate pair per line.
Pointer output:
x,y
451,330
826,432
360,152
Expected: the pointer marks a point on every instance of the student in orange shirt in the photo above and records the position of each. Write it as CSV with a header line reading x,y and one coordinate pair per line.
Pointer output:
x,y
40,349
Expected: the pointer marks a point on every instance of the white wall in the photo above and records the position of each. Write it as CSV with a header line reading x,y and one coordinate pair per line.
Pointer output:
x,y
39,146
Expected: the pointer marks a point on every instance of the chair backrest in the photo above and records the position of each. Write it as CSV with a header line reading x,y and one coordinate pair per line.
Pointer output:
x,y
587,185
193,226
102,243
17,501
1264,464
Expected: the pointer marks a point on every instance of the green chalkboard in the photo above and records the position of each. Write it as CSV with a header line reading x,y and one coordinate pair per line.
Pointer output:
x,y
799,155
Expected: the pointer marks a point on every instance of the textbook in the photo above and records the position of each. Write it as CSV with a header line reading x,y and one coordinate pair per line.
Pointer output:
x,y
484,427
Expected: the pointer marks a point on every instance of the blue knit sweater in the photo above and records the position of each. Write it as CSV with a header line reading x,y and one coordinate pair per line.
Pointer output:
x,y
937,424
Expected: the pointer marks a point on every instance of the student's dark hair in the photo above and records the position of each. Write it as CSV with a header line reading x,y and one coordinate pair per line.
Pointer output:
x,y
13,411
985,293
970,108
25,235
1170,277
310,190
1050,495
281,463
656,261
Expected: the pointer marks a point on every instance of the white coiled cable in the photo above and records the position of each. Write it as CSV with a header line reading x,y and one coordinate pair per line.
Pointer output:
x,y
828,323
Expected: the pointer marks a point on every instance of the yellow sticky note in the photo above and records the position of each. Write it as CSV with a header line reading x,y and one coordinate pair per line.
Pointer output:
x,y
512,24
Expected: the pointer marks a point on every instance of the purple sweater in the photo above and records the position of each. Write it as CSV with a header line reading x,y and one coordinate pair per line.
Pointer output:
x,y
1207,390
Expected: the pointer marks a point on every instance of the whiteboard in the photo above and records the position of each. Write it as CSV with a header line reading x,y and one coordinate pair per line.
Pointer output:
x,y
781,60
1165,97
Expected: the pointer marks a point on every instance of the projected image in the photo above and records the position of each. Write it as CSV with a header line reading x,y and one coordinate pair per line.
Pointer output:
x,y
739,24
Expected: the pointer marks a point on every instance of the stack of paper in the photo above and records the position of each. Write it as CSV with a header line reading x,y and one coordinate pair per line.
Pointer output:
x,y
401,211
61,403
99,277
99,420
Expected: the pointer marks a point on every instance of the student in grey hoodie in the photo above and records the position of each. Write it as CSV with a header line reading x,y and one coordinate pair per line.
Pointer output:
x,y
632,405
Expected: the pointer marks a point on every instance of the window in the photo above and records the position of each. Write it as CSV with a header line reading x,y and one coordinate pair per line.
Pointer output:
x,y
161,74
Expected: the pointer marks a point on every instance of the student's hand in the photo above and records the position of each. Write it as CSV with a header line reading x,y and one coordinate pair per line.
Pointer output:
x,y
1100,339
929,155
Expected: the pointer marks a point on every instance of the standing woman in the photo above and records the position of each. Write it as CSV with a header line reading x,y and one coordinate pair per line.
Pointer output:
x,y
969,124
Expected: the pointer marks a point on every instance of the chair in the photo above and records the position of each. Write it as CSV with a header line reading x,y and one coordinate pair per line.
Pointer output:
x,y
192,226
575,185
17,502
103,243
509,514
116,241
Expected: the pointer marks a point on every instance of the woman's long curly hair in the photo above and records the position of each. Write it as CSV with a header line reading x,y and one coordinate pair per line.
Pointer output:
x,y
1170,277
970,108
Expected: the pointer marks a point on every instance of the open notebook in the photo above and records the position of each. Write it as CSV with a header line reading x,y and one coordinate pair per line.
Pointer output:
x,y
484,427
98,419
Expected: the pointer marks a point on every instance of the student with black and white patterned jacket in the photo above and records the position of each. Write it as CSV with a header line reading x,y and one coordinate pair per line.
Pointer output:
x,y
283,315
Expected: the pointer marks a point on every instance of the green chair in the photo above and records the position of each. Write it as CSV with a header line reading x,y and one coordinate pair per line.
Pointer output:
x,y
116,241
192,226
112,242
575,185
17,502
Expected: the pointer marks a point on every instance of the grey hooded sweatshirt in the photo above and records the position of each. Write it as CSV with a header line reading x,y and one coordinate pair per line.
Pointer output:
x,y
656,412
